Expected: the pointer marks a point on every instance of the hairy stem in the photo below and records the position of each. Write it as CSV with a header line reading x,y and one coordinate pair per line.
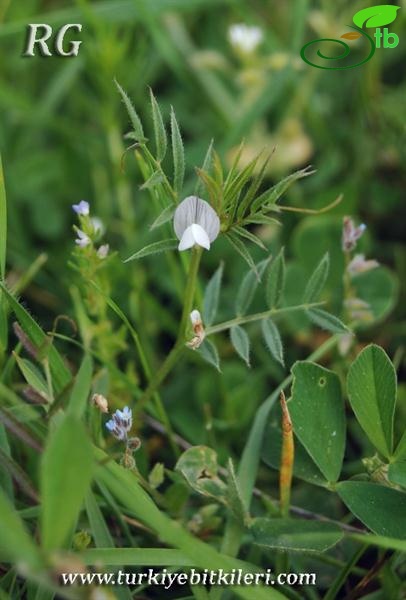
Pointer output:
x,y
259,316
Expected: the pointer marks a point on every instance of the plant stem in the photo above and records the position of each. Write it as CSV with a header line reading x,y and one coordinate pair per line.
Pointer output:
x,y
179,345
259,316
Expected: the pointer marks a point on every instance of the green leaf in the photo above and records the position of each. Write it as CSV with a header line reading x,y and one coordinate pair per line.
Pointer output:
x,y
81,389
161,141
234,497
376,16
199,189
244,233
178,153
209,353
371,385
303,467
16,545
317,281
273,340
100,532
326,321
33,376
397,473
134,118
3,223
143,557
400,452
239,246
318,417
380,541
271,196
295,534
165,216
199,467
66,472
241,342
276,280
381,509
155,248
155,179
248,287
61,375
211,297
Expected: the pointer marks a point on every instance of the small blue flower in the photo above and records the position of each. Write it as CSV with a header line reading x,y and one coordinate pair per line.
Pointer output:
x,y
120,423
82,208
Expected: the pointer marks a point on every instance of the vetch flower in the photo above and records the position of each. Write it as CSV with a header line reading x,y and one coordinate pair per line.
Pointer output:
x,y
351,234
245,38
120,423
198,329
83,239
82,208
195,223
360,265
103,251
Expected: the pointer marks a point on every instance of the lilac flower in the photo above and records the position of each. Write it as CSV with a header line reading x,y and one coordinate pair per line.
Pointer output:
x,y
82,208
120,423
83,239
351,234
360,265
195,223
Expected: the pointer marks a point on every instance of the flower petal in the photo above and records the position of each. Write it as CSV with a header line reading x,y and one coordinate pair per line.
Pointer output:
x,y
195,234
194,210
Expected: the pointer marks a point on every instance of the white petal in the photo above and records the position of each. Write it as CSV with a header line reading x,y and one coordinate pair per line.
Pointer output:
x,y
194,235
194,210
201,236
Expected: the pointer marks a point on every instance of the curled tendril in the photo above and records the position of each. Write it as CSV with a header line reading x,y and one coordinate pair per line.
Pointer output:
x,y
344,54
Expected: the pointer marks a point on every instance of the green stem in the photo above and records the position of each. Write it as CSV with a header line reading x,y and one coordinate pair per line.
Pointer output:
x,y
179,346
259,316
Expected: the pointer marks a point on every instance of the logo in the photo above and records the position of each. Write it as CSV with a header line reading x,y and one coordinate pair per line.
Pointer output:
x,y
374,17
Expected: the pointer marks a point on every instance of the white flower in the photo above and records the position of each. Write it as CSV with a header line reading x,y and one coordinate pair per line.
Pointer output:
x,y
360,265
351,234
195,223
245,38
83,239
82,208
120,423
103,251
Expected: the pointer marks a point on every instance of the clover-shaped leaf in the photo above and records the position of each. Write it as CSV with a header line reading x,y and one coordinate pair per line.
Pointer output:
x,y
376,16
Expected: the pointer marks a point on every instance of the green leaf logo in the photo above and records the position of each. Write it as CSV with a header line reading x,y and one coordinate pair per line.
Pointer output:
x,y
376,16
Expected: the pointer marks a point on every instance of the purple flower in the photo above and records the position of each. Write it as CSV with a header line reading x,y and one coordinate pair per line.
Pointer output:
x,y
120,423
82,208
83,239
